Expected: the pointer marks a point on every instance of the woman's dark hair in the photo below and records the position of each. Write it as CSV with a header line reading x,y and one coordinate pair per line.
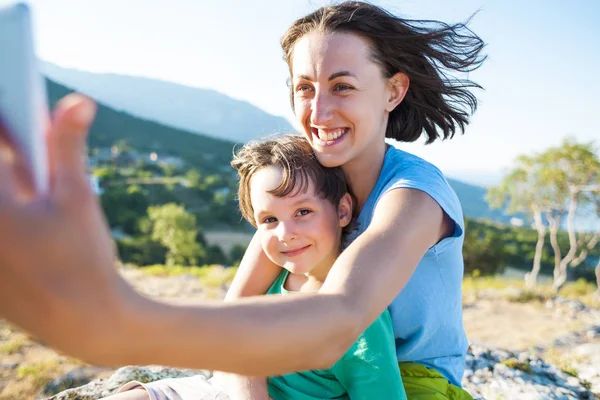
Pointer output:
x,y
428,52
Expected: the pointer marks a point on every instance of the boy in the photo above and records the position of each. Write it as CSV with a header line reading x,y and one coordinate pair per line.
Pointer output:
x,y
300,210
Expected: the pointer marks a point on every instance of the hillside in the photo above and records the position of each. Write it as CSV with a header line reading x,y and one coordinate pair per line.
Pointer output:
x,y
207,154
196,110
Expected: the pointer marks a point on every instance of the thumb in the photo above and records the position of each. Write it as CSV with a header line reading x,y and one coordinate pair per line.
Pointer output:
x,y
72,119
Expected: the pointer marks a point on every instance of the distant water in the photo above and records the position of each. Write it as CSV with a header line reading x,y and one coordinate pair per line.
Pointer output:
x,y
511,273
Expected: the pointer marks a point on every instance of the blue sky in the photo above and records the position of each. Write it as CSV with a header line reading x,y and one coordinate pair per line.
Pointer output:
x,y
540,79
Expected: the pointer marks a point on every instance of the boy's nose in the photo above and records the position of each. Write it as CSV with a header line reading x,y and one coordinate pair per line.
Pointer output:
x,y
285,232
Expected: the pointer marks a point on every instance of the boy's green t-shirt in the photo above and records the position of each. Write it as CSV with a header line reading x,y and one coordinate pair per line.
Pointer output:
x,y
368,370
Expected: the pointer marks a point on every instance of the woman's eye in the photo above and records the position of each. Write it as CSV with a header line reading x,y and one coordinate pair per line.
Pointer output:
x,y
342,87
303,212
303,88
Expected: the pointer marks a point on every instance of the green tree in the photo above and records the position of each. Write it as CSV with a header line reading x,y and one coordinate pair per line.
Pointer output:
x,y
215,255
169,170
125,206
175,229
573,171
552,185
522,191
236,253
483,249
194,178
121,146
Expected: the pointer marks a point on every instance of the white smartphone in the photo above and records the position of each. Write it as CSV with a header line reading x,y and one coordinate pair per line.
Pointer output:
x,y
23,101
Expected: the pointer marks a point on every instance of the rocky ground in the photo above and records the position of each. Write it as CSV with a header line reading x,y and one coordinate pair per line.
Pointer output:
x,y
554,349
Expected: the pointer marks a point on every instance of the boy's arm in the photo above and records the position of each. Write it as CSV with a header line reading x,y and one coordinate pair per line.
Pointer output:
x,y
255,275
369,370
240,387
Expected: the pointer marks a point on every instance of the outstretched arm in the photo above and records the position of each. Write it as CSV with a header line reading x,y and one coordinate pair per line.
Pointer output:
x,y
255,275
59,281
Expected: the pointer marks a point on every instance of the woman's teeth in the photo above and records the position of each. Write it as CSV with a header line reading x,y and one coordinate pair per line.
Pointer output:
x,y
331,135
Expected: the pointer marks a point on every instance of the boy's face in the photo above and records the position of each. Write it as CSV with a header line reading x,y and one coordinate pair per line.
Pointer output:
x,y
301,233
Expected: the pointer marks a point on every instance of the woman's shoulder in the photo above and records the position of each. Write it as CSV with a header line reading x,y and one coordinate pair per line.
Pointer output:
x,y
402,162
405,170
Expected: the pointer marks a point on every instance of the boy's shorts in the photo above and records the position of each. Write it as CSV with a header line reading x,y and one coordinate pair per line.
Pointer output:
x,y
420,383
195,387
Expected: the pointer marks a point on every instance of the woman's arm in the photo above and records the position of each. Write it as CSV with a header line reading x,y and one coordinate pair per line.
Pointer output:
x,y
59,281
270,335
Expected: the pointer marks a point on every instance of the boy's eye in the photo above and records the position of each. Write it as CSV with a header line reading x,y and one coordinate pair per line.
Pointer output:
x,y
269,220
303,212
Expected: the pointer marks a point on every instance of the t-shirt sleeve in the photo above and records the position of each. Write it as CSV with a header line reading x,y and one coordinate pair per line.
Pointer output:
x,y
429,179
369,369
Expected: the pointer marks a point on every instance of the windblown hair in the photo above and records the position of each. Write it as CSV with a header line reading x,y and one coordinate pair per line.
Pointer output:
x,y
293,154
428,52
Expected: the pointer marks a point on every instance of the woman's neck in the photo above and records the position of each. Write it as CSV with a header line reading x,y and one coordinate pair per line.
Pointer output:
x,y
362,173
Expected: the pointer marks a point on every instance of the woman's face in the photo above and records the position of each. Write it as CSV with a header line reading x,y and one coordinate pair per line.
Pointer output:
x,y
341,99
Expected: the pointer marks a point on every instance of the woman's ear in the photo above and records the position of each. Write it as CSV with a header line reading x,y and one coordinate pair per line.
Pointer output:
x,y
345,210
397,88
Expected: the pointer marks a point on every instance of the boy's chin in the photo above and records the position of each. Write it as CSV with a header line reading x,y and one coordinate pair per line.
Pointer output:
x,y
297,269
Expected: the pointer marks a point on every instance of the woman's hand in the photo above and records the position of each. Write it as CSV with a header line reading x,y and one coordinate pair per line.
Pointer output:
x,y
57,259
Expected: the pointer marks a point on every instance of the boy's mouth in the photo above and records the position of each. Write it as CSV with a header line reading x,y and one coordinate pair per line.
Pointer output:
x,y
328,137
295,252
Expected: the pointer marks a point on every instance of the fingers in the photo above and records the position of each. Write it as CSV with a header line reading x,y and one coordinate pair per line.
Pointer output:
x,y
7,184
72,119
7,161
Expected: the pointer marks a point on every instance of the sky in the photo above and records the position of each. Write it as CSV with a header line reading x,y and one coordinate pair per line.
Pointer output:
x,y
540,79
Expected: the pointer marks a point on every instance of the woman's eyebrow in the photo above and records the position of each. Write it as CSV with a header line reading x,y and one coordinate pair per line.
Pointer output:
x,y
331,77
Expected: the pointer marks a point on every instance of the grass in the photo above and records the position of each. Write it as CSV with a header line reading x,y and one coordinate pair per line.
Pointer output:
x,y
213,276
527,296
565,364
513,363
39,373
516,291
12,346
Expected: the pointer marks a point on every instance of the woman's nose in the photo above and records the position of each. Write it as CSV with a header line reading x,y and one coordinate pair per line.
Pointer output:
x,y
321,109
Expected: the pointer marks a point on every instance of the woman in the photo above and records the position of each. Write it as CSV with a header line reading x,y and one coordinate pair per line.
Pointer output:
x,y
358,75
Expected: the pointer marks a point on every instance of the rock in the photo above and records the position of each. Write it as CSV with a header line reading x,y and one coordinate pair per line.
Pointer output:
x,y
105,387
571,339
495,373
75,378
490,374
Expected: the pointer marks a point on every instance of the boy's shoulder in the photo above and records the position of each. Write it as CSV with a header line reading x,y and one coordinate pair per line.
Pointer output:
x,y
277,287
376,341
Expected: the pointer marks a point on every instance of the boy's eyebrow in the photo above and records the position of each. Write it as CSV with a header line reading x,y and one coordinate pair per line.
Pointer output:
x,y
331,77
300,199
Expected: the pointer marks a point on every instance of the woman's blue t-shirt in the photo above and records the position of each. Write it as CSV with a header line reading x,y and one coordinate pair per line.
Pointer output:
x,y
427,314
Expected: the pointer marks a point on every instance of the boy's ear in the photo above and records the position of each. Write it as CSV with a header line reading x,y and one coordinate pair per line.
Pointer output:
x,y
345,210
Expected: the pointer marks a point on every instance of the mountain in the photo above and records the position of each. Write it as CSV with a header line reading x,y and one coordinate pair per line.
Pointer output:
x,y
472,199
207,154
192,109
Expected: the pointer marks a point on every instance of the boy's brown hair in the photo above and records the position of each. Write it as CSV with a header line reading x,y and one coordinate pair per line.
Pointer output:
x,y
293,154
